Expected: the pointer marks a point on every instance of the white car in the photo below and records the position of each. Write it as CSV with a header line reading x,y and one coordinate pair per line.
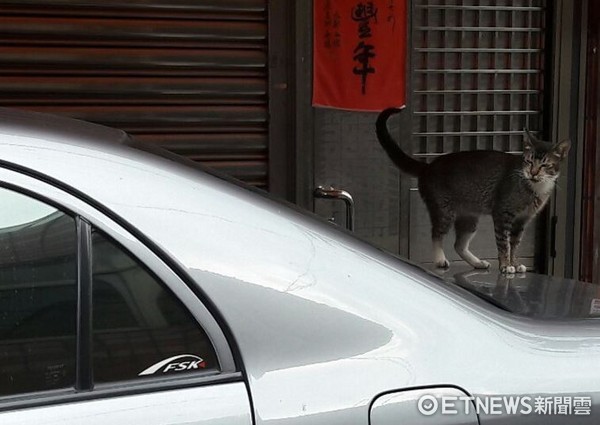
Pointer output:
x,y
137,289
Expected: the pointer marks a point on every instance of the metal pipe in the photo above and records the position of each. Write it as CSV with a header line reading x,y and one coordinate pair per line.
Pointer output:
x,y
338,195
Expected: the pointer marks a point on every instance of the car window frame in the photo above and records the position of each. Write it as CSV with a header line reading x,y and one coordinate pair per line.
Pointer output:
x,y
70,202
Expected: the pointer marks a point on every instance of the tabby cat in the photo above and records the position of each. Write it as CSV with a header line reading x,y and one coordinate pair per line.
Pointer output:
x,y
459,187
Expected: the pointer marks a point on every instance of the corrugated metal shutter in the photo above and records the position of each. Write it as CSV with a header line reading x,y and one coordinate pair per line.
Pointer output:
x,y
478,81
189,75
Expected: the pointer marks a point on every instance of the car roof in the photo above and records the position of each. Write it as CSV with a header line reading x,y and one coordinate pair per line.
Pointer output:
x,y
35,125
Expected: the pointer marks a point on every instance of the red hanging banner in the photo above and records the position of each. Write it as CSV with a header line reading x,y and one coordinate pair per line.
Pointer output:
x,y
359,54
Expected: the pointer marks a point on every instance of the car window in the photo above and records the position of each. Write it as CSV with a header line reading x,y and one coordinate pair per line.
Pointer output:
x,y
38,295
140,329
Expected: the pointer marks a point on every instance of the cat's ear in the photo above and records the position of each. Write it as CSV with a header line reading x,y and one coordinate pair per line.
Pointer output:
x,y
528,141
561,149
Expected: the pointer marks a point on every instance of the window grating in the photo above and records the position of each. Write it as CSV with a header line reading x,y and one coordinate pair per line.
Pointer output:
x,y
478,74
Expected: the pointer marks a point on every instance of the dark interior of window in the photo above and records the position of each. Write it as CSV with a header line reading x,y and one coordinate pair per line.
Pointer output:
x,y
38,296
138,323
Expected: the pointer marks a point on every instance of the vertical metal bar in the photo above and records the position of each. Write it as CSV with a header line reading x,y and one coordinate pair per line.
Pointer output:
x,y
459,98
514,79
430,121
542,261
547,60
589,264
303,124
486,81
280,176
574,167
528,62
84,373
441,100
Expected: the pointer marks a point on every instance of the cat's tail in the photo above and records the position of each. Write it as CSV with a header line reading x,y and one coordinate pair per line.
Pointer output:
x,y
405,162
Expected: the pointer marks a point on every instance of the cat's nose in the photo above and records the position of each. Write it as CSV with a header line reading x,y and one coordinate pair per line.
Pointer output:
x,y
534,171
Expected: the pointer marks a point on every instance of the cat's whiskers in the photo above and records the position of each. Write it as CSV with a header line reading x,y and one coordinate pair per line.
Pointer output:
x,y
544,185
555,181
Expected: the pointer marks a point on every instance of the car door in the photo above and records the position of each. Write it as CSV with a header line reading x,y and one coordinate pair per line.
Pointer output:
x,y
95,328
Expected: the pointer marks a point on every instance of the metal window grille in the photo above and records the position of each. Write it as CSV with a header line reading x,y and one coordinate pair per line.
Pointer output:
x,y
478,74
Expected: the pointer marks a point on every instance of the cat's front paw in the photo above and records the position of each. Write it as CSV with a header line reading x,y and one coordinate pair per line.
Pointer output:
x,y
521,268
442,264
483,265
508,269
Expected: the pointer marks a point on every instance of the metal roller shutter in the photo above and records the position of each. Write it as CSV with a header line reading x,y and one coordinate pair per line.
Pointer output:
x,y
189,75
